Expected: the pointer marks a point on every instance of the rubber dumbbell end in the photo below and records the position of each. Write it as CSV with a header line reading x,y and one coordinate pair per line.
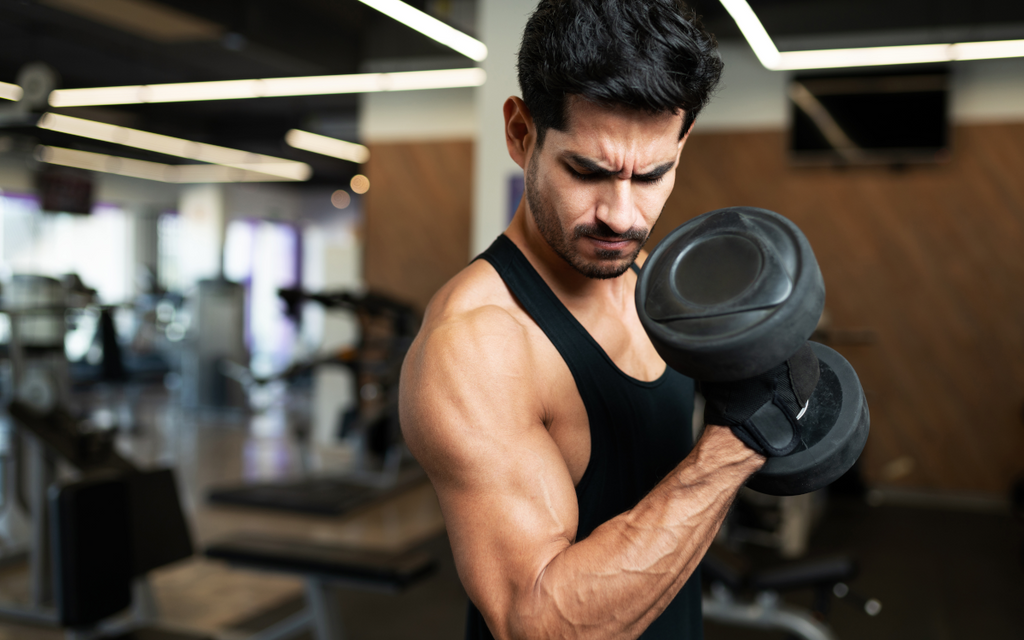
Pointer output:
x,y
833,433
730,294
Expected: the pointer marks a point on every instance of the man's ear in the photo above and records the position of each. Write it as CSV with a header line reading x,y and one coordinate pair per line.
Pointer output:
x,y
520,132
682,141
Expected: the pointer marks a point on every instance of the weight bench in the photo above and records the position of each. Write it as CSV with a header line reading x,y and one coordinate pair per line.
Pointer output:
x,y
321,566
108,531
765,609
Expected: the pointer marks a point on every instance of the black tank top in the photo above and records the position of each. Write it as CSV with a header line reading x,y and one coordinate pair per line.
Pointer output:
x,y
639,431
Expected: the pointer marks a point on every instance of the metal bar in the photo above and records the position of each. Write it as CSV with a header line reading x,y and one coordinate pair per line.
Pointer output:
x,y
24,614
326,617
766,614
290,627
40,475
144,607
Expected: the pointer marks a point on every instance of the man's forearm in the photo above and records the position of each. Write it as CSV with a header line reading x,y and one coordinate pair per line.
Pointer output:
x,y
617,581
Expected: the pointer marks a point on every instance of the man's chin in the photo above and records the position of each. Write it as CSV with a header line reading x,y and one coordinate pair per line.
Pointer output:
x,y
602,269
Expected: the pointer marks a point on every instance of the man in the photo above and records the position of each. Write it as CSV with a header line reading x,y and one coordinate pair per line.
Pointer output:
x,y
557,440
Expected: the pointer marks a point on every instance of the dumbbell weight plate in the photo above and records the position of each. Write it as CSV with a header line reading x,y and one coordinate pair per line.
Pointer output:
x,y
730,294
836,428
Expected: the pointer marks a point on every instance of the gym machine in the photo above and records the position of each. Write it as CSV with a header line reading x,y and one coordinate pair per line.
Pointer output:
x,y
36,374
748,598
382,465
43,441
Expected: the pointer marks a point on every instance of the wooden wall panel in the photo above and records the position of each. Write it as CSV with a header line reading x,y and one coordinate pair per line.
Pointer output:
x,y
931,259
417,217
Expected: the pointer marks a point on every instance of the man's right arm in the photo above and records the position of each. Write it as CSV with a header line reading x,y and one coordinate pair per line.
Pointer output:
x,y
472,414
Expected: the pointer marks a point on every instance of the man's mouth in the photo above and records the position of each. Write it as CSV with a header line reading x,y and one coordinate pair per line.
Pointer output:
x,y
610,244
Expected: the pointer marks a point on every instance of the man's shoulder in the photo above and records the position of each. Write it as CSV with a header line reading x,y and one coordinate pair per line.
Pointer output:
x,y
472,326
472,340
476,298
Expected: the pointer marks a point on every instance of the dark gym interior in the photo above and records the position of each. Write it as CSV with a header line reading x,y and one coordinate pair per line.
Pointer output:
x,y
208,290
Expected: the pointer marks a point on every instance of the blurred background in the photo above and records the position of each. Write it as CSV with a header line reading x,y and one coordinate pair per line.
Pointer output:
x,y
221,220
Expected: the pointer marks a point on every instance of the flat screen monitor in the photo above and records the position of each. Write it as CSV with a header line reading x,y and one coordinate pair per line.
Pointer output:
x,y
64,190
870,119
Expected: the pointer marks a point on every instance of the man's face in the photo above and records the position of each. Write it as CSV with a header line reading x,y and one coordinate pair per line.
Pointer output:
x,y
596,190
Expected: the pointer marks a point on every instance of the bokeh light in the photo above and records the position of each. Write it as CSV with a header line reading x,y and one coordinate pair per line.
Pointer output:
x,y
340,199
360,184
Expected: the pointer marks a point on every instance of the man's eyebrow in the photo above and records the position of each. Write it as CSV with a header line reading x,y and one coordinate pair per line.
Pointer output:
x,y
593,167
657,171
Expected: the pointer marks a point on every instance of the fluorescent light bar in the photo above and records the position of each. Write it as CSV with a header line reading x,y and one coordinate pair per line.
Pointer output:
x,y
430,27
909,54
280,167
773,59
10,91
863,57
179,174
987,50
327,146
755,33
269,87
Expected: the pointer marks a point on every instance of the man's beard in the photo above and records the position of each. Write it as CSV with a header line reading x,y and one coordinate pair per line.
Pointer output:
x,y
613,262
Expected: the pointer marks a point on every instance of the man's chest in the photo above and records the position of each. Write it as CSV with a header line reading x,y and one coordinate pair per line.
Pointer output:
x,y
616,354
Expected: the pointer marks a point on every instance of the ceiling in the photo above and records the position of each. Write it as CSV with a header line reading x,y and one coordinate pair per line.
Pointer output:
x,y
220,40
800,24
117,42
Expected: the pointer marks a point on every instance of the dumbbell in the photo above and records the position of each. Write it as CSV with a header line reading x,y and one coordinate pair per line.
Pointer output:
x,y
736,292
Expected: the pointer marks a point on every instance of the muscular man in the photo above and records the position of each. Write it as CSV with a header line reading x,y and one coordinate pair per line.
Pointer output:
x,y
557,440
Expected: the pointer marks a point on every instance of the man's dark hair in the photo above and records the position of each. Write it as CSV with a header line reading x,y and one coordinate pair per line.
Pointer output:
x,y
649,55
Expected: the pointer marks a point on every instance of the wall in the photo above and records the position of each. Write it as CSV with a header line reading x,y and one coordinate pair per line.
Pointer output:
x,y
418,209
501,25
404,116
927,260
417,216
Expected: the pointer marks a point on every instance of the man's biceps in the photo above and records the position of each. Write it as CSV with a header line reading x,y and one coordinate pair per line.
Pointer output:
x,y
517,535
526,502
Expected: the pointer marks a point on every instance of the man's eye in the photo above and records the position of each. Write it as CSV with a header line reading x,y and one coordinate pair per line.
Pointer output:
x,y
584,177
649,179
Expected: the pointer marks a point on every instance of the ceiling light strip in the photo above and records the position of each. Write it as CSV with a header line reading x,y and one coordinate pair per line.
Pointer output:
x,y
909,54
430,27
327,146
863,57
10,91
270,87
179,147
752,29
773,59
178,174
987,50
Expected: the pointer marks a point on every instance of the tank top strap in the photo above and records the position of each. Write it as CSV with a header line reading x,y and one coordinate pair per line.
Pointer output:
x,y
576,346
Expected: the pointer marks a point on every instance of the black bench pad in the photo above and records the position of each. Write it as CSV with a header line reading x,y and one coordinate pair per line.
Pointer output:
x,y
809,573
381,569
321,496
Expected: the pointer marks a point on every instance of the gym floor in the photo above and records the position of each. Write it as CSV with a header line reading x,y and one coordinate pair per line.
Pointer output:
x,y
939,573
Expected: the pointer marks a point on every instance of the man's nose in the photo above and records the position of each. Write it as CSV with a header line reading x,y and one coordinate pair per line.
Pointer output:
x,y
618,210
